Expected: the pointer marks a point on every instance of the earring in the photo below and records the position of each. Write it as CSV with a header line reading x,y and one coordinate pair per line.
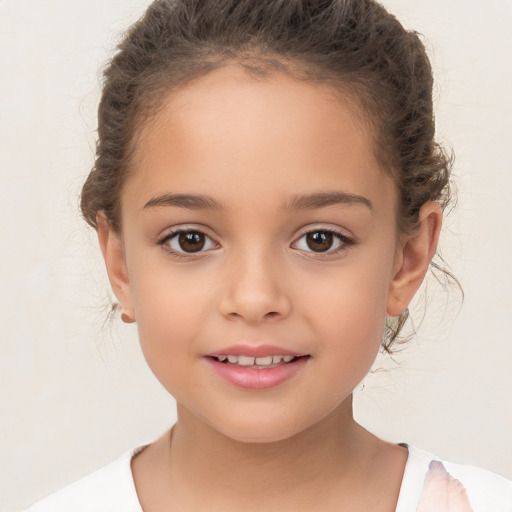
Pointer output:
x,y
126,318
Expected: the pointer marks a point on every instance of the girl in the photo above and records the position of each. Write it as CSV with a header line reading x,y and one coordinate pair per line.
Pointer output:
x,y
268,197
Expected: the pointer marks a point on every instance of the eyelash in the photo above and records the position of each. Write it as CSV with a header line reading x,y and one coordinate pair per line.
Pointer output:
x,y
344,241
164,243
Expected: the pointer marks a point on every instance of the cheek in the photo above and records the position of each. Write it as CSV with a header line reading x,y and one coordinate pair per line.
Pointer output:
x,y
351,300
169,310
167,295
351,331
348,311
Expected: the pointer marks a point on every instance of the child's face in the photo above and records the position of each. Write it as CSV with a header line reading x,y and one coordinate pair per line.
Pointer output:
x,y
267,161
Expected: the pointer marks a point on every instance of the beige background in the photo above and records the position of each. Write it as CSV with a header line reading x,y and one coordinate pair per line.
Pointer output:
x,y
76,393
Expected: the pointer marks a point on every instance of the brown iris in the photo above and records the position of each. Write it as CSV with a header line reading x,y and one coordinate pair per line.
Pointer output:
x,y
319,241
191,241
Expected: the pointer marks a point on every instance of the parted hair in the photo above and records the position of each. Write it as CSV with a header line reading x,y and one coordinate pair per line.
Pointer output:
x,y
355,46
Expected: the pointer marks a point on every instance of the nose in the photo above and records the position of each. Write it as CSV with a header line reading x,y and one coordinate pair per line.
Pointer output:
x,y
254,289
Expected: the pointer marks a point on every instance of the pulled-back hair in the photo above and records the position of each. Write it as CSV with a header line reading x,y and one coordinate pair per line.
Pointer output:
x,y
354,45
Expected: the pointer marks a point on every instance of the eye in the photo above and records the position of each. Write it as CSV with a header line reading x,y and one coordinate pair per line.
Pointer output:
x,y
322,241
188,241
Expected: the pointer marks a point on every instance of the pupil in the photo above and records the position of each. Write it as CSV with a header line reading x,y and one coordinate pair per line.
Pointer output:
x,y
191,241
320,241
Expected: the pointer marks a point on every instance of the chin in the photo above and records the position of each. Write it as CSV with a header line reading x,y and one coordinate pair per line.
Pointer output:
x,y
260,436
260,428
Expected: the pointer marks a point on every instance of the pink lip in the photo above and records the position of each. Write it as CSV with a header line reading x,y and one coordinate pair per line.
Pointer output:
x,y
255,351
252,378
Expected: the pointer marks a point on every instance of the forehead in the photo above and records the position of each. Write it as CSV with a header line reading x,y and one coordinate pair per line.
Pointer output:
x,y
255,133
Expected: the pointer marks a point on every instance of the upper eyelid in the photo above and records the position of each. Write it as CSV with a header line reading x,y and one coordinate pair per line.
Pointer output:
x,y
345,239
343,233
163,242
312,228
172,231
346,244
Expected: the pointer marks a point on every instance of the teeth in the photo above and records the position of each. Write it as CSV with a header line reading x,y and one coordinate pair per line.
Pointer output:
x,y
264,361
252,361
245,361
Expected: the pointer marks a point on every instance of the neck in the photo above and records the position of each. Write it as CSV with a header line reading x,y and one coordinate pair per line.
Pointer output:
x,y
331,450
334,461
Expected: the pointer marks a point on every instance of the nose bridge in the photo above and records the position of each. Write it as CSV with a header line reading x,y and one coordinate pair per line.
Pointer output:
x,y
254,284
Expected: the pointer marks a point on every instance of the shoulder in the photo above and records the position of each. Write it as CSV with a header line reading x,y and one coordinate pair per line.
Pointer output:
x,y
429,478
109,489
486,491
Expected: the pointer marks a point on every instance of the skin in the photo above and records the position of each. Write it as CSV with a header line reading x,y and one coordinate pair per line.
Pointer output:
x,y
253,146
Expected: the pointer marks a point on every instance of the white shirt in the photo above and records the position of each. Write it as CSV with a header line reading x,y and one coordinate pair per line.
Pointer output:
x,y
112,489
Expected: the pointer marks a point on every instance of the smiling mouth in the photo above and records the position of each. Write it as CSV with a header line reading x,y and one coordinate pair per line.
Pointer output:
x,y
259,363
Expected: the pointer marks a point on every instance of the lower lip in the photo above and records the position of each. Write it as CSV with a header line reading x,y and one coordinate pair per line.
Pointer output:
x,y
252,378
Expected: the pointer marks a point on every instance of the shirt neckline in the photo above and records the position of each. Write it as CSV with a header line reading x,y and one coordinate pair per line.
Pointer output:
x,y
413,478
411,486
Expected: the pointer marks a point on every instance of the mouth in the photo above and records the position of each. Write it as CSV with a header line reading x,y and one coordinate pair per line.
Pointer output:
x,y
258,363
257,368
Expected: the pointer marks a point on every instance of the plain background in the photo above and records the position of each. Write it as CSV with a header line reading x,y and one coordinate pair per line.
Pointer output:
x,y
76,392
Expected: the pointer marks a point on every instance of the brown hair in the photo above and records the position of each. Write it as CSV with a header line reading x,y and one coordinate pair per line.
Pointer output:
x,y
354,45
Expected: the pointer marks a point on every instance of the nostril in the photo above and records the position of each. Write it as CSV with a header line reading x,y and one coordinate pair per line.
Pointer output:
x,y
272,314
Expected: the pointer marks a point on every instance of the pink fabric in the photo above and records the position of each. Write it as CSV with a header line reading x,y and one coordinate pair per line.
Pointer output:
x,y
442,492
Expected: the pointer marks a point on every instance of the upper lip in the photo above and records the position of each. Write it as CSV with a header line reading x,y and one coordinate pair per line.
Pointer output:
x,y
255,351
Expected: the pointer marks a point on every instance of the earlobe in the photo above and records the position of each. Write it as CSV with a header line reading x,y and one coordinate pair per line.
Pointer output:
x,y
413,258
113,254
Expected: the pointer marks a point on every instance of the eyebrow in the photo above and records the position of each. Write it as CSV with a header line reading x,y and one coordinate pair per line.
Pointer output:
x,y
298,202
189,201
323,199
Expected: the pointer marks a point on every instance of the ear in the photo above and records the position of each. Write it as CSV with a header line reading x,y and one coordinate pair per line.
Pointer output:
x,y
113,254
413,258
